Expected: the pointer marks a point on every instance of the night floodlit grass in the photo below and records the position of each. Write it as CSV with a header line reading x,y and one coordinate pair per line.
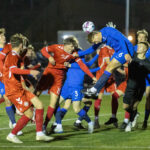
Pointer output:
x,y
107,137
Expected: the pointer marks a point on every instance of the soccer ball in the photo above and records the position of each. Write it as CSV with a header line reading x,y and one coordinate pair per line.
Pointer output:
x,y
88,26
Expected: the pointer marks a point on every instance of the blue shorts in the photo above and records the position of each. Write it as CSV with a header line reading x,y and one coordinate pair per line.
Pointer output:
x,y
73,93
147,80
119,56
2,88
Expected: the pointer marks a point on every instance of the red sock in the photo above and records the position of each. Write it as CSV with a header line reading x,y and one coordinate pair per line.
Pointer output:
x,y
21,123
97,105
49,115
2,100
39,119
127,115
114,103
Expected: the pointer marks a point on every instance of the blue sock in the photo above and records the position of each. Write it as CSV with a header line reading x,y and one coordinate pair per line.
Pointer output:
x,y
60,115
11,114
102,81
86,108
147,112
82,113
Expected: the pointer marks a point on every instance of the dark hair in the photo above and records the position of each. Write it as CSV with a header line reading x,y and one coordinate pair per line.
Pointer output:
x,y
145,43
15,41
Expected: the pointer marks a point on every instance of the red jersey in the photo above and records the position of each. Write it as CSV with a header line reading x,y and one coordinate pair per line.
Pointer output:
x,y
11,77
60,56
105,52
3,53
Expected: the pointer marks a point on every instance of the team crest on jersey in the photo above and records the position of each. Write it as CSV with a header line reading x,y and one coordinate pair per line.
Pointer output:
x,y
61,47
26,104
64,56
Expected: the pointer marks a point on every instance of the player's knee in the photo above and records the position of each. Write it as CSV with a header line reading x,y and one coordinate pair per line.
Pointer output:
x,y
76,110
40,105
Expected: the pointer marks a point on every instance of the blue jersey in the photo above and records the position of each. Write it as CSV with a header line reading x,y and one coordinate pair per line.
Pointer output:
x,y
74,80
115,39
75,76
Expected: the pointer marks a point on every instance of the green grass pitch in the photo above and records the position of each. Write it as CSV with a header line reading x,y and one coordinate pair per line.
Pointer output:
x,y
107,137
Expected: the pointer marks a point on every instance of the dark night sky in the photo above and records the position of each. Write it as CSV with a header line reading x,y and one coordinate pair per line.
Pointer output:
x,y
41,19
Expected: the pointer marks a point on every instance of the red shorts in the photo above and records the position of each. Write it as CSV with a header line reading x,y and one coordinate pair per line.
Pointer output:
x,y
51,80
110,86
22,100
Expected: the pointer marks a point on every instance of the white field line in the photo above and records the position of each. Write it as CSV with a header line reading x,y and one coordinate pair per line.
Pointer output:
x,y
65,120
83,147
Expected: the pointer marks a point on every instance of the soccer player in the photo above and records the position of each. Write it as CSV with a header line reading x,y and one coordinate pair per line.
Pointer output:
x,y
54,73
142,36
22,99
2,43
123,53
138,70
10,109
105,55
71,92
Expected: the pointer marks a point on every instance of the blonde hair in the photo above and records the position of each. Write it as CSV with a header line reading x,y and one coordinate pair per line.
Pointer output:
x,y
91,35
2,31
72,40
143,31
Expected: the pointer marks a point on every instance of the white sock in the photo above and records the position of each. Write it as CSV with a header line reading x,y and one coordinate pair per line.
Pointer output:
x,y
126,120
78,121
59,125
93,89
11,135
39,133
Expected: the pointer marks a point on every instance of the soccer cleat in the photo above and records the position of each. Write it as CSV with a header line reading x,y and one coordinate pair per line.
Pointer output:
x,y
78,125
90,127
134,122
96,124
113,121
44,138
128,127
123,126
19,133
144,126
58,129
13,139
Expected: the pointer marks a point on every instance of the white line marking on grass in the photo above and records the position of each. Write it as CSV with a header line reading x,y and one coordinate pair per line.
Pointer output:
x,y
84,147
102,115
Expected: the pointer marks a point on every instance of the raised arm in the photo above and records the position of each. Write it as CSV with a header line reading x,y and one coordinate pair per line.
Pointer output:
x,y
84,68
91,62
89,50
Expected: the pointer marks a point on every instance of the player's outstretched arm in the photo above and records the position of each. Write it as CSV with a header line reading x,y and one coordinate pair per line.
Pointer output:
x,y
85,68
89,50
